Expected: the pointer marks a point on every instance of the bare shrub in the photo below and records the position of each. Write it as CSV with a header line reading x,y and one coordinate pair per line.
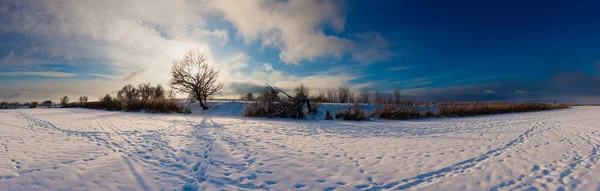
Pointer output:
x,y
353,112
395,111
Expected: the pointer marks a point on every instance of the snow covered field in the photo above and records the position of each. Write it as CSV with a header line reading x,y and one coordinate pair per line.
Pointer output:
x,y
82,149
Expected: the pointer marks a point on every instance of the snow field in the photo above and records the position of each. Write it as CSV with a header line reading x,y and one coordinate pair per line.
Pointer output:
x,y
82,149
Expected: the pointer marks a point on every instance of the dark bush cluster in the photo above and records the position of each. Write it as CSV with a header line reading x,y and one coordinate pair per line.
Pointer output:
x,y
147,98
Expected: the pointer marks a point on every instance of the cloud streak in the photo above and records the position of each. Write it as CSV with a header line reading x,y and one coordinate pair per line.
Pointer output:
x,y
44,74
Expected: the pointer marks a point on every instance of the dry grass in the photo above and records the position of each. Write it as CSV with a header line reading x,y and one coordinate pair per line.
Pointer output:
x,y
473,109
396,111
354,112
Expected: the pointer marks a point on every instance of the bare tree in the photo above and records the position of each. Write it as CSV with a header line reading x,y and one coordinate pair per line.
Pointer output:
x,y
128,93
397,96
83,99
193,75
145,91
377,96
365,95
247,97
64,100
171,95
331,95
159,92
301,91
319,96
343,94
351,98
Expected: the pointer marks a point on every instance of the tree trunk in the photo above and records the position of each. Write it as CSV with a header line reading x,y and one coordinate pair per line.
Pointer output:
x,y
202,104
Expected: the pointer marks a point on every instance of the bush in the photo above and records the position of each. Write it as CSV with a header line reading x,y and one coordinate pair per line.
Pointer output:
x,y
354,112
112,104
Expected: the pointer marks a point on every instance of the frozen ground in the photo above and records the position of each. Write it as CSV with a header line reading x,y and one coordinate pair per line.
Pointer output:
x,y
81,149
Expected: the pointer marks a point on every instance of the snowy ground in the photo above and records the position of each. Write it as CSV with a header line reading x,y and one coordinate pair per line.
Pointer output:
x,y
81,149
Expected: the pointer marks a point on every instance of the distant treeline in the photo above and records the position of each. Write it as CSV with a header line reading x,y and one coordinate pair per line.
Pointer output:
x,y
144,97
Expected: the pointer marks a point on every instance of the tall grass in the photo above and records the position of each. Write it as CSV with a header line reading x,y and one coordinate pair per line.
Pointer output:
x,y
473,109
353,112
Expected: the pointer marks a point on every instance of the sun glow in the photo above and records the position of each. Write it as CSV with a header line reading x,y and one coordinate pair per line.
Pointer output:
x,y
179,49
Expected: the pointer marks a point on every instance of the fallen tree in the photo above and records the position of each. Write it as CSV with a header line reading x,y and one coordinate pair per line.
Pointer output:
x,y
269,103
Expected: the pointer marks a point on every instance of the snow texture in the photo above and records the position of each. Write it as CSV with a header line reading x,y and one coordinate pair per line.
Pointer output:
x,y
83,149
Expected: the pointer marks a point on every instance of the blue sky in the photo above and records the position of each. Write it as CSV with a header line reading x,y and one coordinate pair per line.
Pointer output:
x,y
434,50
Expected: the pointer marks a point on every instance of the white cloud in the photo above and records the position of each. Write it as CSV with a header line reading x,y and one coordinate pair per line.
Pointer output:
x,y
101,75
296,28
489,91
267,67
44,74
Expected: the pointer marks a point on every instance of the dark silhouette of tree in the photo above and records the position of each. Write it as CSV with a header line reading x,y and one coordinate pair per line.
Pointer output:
x,y
248,97
159,92
343,94
145,91
193,75
301,91
378,98
397,96
83,99
128,94
64,100
365,95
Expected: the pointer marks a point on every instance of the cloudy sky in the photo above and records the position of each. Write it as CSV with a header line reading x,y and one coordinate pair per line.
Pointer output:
x,y
434,50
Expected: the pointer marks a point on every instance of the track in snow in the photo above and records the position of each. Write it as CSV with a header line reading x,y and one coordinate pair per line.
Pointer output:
x,y
88,149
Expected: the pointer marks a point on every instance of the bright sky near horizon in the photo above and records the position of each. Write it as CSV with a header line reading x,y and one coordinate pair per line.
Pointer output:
x,y
435,50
